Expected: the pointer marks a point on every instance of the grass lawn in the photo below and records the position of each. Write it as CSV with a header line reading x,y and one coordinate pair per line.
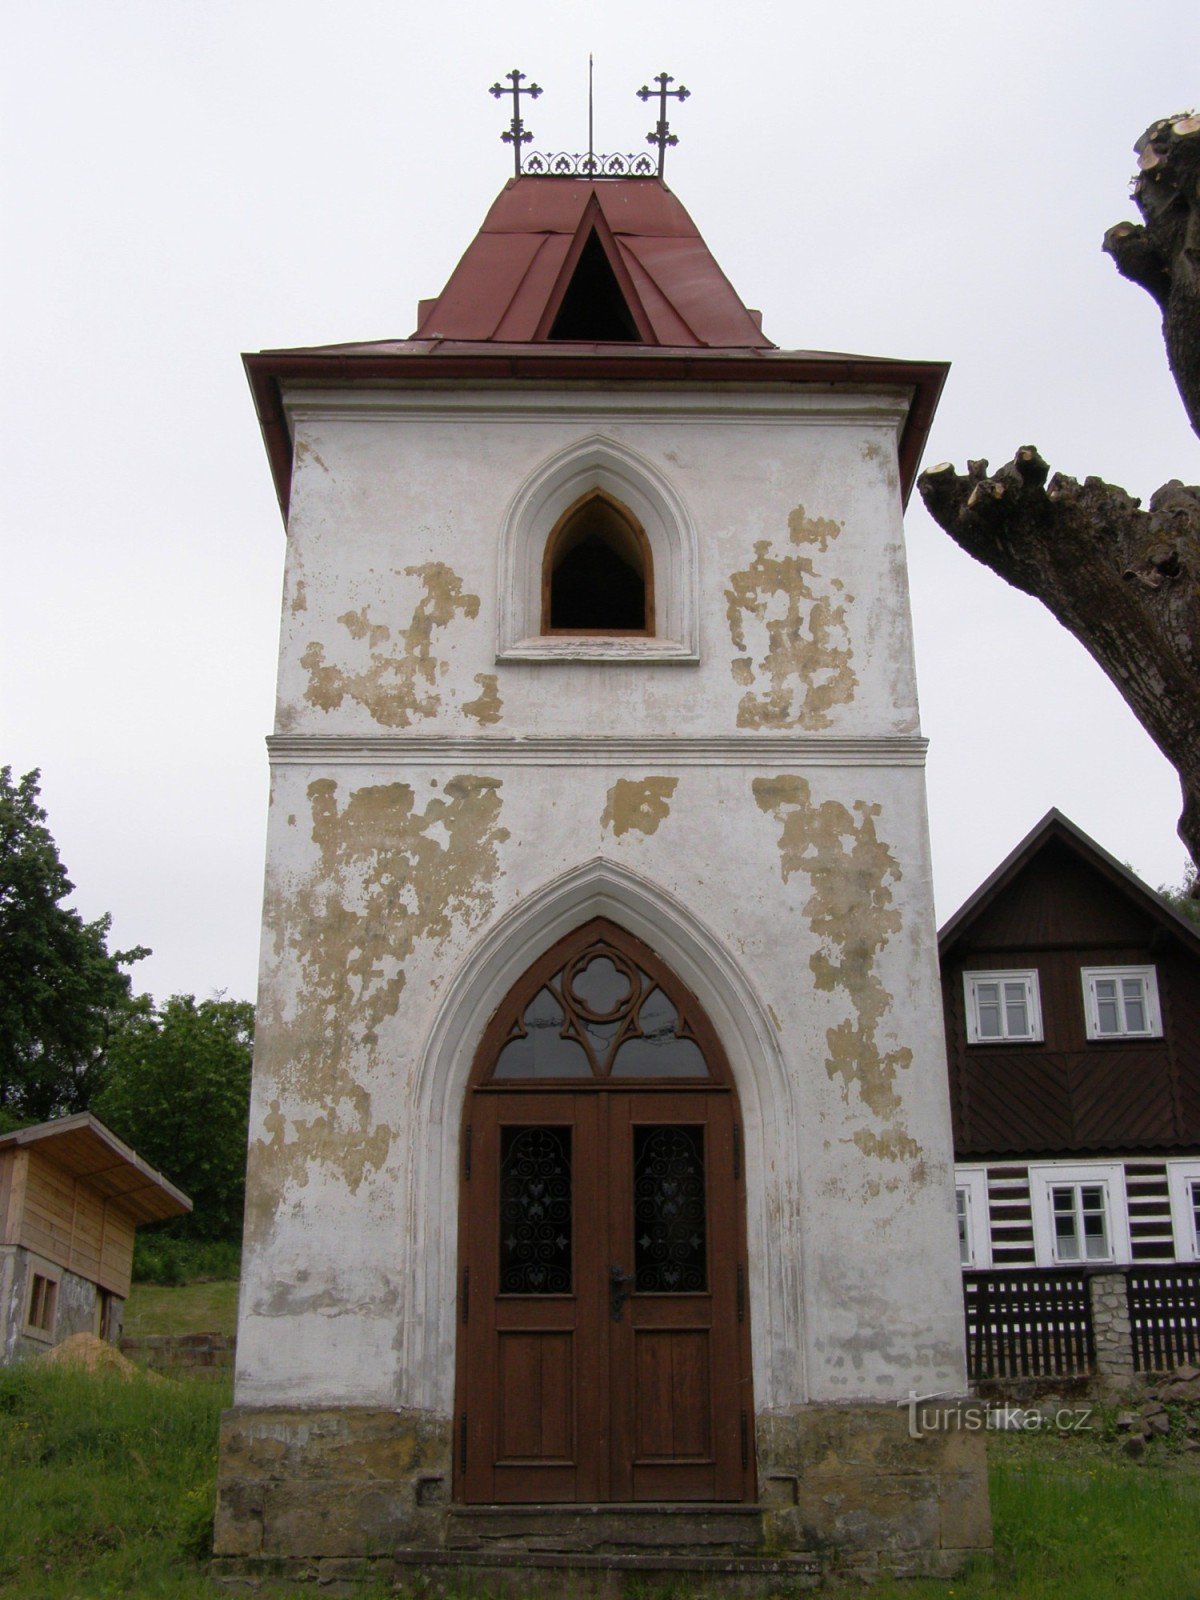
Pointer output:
x,y
108,1492
189,1308
1079,1523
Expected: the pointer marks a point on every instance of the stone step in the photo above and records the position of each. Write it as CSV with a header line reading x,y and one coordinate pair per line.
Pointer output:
x,y
562,1575
693,1528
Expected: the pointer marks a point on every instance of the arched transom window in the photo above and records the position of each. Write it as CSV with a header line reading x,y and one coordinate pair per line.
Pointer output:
x,y
597,571
600,1006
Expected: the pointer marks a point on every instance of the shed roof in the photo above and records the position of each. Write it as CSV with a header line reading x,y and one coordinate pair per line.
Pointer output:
x,y
84,1147
1057,828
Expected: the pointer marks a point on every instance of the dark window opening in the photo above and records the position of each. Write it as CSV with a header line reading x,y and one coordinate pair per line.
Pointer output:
x,y
593,307
597,576
43,1303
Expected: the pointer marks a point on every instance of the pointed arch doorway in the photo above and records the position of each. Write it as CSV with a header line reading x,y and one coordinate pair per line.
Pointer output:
x,y
604,1338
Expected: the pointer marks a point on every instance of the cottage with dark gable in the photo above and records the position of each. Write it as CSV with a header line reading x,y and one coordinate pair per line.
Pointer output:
x,y
1072,1004
600,1201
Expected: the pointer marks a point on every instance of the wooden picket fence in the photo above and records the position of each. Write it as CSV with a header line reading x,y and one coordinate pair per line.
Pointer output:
x,y
1028,1324
1164,1316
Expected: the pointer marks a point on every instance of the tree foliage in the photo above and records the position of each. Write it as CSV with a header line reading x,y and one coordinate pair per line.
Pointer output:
x,y
179,1093
1126,582
63,993
1184,897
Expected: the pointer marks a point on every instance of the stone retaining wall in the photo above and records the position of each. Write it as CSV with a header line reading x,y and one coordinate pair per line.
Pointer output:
x,y
183,1353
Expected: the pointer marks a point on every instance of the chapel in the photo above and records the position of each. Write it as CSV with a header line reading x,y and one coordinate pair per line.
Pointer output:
x,y
600,1206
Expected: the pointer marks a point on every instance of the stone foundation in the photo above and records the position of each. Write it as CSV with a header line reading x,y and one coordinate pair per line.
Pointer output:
x,y
340,1494
77,1309
850,1483
311,1485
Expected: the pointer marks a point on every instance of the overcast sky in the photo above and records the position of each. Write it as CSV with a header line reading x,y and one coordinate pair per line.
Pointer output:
x,y
188,179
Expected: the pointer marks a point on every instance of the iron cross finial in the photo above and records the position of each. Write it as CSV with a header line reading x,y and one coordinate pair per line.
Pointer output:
x,y
516,134
662,135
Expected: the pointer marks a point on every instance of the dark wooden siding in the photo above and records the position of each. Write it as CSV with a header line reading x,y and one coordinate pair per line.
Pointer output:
x,y
1067,1094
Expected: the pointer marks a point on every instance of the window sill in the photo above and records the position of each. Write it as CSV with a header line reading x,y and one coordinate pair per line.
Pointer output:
x,y
1001,1044
584,647
1111,1265
1122,1038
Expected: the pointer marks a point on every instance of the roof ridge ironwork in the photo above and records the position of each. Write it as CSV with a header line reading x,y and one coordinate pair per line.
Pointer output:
x,y
573,164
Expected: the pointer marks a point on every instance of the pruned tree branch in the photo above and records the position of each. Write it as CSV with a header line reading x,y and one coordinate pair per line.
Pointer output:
x,y
1163,254
1125,581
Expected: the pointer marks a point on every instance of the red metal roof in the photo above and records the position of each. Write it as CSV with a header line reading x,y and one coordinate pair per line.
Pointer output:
x,y
491,322
515,270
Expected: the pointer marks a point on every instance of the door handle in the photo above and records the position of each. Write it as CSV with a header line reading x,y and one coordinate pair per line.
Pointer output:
x,y
617,1292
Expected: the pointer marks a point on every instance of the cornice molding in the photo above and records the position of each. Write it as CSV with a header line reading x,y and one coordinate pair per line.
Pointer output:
x,y
778,753
723,405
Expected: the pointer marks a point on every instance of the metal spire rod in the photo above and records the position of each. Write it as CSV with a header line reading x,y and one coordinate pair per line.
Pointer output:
x,y
591,139
516,134
662,135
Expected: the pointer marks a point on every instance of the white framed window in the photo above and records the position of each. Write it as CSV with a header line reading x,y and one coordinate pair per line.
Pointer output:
x,y
1002,1006
1080,1214
1121,1003
971,1209
1183,1181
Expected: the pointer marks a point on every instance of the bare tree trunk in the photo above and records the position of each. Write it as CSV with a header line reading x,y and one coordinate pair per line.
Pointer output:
x,y
1164,255
1126,582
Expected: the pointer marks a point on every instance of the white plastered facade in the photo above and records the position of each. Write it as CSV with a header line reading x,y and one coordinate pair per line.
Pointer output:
x,y
448,800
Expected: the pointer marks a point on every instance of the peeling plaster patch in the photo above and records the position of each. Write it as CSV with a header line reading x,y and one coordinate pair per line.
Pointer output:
x,y
286,1301
871,1332
850,910
398,685
358,625
300,598
305,452
638,803
487,706
803,633
892,1145
872,450
388,876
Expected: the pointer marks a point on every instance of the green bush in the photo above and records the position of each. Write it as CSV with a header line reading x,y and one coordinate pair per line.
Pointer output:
x,y
165,1259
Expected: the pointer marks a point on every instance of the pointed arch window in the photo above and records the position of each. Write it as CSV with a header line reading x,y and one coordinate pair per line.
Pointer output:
x,y
600,1007
598,562
598,571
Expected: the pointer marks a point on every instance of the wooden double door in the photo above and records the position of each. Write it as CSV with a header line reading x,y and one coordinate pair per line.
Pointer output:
x,y
604,1346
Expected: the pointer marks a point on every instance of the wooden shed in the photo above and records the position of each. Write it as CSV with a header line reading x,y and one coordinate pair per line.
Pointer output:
x,y
71,1196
